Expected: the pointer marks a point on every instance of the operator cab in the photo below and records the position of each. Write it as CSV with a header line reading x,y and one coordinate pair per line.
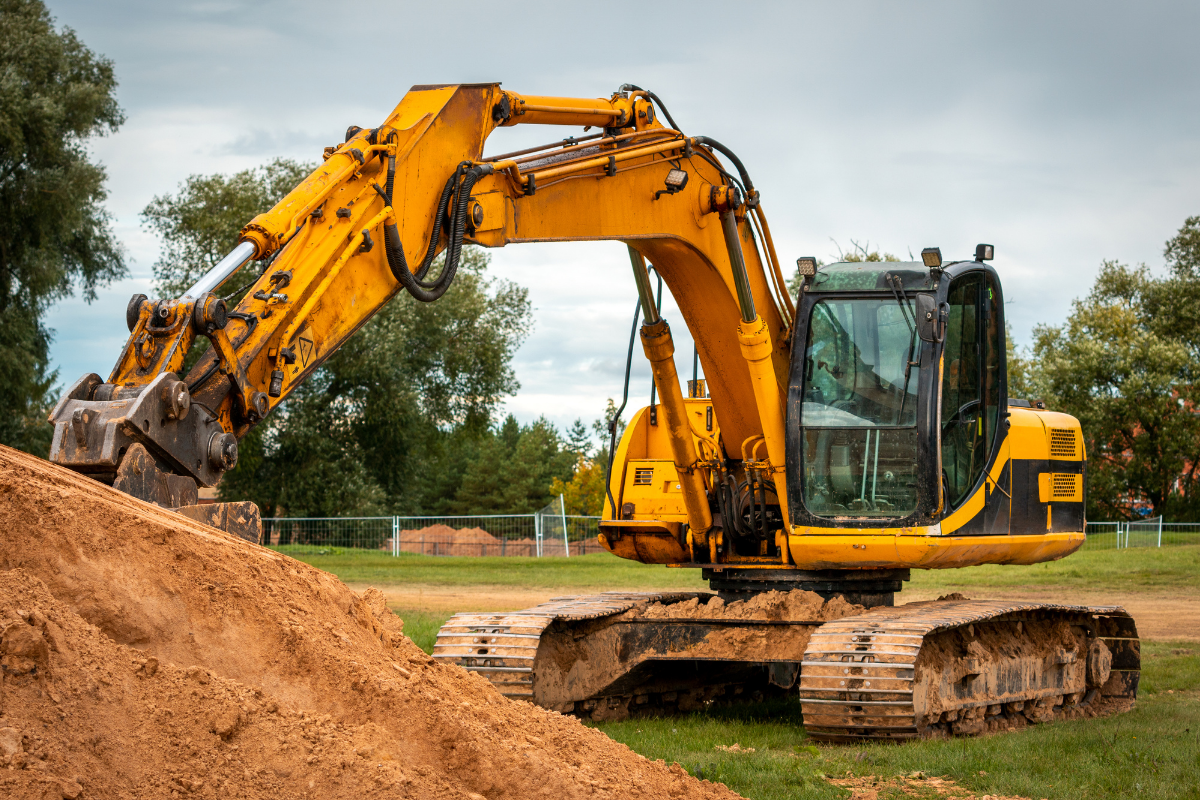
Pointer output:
x,y
893,420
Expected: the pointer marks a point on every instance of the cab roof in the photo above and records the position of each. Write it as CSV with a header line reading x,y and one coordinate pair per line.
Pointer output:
x,y
871,276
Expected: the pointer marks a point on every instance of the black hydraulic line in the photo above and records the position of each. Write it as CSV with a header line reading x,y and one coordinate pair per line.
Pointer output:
x,y
612,425
428,291
737,162
629,87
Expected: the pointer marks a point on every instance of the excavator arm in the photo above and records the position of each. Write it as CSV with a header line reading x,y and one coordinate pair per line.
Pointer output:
x,y
368,223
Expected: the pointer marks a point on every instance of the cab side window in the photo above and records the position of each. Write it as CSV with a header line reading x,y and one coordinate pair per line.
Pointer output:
x,y
970,383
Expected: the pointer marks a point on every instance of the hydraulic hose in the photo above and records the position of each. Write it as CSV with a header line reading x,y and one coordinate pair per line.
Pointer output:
x,y
653,97
428,291
737,162
612,432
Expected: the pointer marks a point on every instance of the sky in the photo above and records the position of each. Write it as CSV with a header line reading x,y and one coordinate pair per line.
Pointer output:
x,y
1064,133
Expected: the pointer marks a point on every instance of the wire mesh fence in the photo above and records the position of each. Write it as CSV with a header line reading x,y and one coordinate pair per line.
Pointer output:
x,y
1153,532
549,532
552,532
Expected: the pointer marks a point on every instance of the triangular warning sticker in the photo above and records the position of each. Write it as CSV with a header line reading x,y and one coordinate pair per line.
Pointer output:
x,y
306,349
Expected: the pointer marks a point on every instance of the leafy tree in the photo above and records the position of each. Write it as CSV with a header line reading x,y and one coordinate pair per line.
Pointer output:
x,y
199,224
1129,376
394,419
584,493
55,236
514,469
579,439
391,421
1019,367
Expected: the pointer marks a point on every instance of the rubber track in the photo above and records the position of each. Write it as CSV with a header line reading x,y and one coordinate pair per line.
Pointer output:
x,y
502,646
881,647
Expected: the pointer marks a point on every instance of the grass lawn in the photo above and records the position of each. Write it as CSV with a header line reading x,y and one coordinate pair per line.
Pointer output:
x,y
1148,569
1152,752
1135,569
592,572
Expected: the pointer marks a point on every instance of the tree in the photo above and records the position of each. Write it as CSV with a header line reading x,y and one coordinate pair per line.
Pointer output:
x,y
514,469
55,235
583,494
199,224
392,421
1129,376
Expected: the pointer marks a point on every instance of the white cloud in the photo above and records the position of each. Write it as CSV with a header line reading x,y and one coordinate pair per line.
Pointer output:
x,y
1063,134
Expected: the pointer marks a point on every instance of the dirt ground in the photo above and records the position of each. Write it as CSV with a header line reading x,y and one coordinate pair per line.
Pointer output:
x,y
1159,615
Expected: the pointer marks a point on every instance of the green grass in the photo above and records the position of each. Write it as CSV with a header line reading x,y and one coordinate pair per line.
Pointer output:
x,y
592,572
422,626
1151,752
1137,569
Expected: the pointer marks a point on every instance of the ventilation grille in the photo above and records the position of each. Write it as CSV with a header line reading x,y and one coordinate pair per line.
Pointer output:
x,y
1064,443
1064,486
643,477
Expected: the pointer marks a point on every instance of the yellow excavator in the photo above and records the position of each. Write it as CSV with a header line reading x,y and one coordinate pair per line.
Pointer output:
x,y
839,439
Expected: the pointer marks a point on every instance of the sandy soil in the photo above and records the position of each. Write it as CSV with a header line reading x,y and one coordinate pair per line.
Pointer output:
x,y
449,599
143,655
1159,615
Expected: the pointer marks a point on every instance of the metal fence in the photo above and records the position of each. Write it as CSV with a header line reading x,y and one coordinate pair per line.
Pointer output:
x,y
549,532
1142,533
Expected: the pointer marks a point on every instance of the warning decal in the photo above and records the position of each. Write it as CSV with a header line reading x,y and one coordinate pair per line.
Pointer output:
x,y
306,347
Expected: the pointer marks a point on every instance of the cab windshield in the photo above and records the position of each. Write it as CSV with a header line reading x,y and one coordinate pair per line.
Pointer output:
x,y
859,414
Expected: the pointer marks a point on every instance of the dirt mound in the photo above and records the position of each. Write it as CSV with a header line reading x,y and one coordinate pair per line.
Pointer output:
x,y
442,540
145,655
794,605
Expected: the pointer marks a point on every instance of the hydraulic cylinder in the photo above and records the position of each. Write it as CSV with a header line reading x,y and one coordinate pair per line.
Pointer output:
x,y
660,351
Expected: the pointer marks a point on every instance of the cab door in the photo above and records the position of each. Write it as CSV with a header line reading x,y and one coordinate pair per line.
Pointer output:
x,y
975,475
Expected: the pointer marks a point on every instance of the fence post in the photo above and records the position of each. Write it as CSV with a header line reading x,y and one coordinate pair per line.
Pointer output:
x,y
1160,530
562,514
395,537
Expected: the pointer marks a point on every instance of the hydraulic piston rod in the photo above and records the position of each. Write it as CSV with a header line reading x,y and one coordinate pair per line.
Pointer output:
x,y
221,272
660,350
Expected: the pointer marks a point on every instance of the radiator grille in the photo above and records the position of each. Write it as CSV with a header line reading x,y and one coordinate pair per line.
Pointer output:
x,y
1064,443
643,477
1066,486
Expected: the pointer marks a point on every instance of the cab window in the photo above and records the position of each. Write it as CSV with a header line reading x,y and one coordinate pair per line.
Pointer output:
x,y
970,384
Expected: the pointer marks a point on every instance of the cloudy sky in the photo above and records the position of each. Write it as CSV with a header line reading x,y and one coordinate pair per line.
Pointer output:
x,y
1063,133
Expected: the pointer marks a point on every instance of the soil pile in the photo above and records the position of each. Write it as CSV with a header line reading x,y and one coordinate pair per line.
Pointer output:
x,y
145,655
794,605
442,540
